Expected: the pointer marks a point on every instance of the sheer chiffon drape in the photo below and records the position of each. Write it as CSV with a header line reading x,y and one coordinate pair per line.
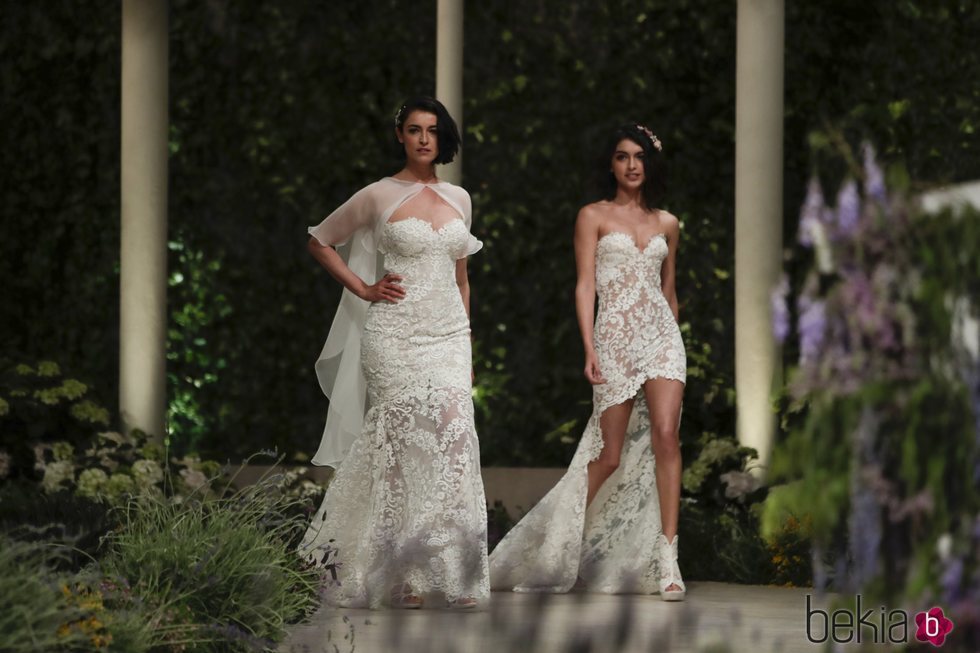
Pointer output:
x,y
406,505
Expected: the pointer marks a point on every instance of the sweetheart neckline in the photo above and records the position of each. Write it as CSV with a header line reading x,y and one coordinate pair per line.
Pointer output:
x,y
432,228
633,241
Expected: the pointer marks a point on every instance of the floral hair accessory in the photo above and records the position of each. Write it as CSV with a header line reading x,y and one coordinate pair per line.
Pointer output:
x,y
654,141
398,116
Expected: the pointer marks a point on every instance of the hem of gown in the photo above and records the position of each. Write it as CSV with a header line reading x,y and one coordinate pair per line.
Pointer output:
x,y
375,427
632,390
634,387
629,390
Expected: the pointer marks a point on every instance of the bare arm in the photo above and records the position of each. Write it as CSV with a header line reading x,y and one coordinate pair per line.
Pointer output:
x,y
586,240
387,289
667,271
463,282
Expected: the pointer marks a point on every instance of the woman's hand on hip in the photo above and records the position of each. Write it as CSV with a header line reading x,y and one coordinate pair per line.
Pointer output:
x,y
386,290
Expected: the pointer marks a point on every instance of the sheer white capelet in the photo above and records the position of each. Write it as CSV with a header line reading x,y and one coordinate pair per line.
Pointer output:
x,y
354,228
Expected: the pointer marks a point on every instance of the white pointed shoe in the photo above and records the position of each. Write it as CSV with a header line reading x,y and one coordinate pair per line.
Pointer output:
x,y
670,572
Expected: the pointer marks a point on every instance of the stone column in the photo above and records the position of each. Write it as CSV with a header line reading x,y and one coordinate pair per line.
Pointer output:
x,y
449,72
143,257
758,215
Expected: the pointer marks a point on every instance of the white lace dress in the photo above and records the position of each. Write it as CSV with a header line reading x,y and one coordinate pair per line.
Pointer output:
x,y
610,546
407,504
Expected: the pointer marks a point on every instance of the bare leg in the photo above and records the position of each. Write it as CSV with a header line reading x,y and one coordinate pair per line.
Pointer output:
x,y
612,423
664,398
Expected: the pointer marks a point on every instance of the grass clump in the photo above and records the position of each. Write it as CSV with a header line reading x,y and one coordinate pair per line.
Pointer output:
x,y
219,572
34,613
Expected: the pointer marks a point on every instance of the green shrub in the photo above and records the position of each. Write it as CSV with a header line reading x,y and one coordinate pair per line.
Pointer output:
x,y
218,571
720,525
721,544
40,405
30,515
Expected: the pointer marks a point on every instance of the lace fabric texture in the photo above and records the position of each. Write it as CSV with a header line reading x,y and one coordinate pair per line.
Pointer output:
x,y
407,503
356,229
611,546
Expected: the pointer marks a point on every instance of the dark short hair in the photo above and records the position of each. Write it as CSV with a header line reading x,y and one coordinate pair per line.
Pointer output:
x,y
445,126
654,166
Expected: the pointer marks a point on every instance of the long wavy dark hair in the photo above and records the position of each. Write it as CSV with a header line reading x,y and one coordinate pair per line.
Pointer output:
x,y
654,166
445,126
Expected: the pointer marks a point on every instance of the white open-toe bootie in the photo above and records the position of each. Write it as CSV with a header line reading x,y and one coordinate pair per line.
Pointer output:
x,y
670,572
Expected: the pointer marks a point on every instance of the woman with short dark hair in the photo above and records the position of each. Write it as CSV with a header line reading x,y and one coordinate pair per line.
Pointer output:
x,y
404,517
611,521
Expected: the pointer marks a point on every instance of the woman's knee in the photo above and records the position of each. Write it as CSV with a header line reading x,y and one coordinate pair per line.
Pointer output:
x,y
666,439
607,461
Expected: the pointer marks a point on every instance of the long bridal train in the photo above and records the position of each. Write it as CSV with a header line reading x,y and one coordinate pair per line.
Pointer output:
x,y
612,546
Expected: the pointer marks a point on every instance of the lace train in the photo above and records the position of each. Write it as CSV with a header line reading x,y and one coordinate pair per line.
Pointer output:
x,y
611,546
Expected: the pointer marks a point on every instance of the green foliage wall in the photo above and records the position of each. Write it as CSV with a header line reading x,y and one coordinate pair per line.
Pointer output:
x,y
59,156
549,82
279,111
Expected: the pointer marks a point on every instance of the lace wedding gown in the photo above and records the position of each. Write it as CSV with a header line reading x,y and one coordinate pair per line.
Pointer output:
x,y
610,546
407,504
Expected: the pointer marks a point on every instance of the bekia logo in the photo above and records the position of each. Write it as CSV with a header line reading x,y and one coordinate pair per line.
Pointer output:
x,y
880,626
932,626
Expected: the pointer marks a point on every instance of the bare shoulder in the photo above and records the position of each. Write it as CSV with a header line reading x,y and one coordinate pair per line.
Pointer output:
x,y
669,222
588,222
592,213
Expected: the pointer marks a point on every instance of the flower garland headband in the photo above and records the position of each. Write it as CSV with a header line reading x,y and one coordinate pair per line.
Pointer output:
x,y
654,141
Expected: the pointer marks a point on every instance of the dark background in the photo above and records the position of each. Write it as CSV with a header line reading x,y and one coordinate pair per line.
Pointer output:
x,y
280,111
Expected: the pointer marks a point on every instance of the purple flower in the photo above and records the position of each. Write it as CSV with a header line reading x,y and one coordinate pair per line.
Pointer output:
x,y
874,180
811,213
951,578
860,298
780,311
848,209
811,328
865,532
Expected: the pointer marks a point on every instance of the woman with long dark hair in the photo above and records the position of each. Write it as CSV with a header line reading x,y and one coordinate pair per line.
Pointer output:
x,y
611,522
403,522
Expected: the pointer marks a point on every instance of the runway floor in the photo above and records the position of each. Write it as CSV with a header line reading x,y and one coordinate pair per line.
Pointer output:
x,y
716,617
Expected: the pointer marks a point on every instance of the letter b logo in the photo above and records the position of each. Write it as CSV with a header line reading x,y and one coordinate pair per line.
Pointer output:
x,y
932,626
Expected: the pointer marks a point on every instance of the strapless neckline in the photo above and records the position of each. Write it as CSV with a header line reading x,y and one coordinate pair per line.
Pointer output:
x,y
633,242
428,224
